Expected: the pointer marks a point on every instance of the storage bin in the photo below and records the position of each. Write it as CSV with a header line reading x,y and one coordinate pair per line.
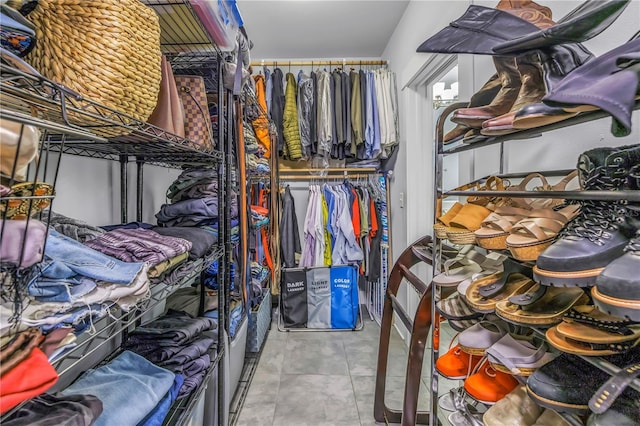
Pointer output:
x,y
220,19
260,322
107,50
237,351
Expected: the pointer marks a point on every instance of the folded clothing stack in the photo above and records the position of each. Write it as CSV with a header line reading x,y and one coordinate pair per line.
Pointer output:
x,y
128,377
25,371
180,343
211,275
74,286
160,252
194,199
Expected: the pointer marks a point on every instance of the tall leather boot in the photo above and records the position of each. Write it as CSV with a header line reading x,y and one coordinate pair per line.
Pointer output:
x,y
617,289
482,97
532,90
597,236
508,70
503,101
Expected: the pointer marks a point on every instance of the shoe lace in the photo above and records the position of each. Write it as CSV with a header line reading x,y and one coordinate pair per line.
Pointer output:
x,y
599,219
634,244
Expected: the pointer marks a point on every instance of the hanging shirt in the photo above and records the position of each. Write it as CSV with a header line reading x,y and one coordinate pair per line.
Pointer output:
x,y
324,117
319,229
361,149
345,249
328,195
381,106
308,245
326,234
314,114
356,112
346,111
373,149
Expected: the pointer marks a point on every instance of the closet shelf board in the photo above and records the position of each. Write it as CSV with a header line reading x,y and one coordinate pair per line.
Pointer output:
x,y
70,113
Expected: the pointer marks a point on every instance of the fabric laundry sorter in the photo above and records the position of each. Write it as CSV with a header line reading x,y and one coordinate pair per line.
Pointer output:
x,y
319,298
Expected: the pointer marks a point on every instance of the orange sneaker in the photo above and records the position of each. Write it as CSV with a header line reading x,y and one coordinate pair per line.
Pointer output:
x,y
488,385
456,364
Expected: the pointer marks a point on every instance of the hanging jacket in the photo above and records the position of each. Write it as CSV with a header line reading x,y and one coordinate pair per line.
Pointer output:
x,y
277,106
261,124
289,233
324,117
356,112
291,127
305,112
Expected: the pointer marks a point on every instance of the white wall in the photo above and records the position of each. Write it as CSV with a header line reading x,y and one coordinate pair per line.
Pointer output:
x,y
89,189
555,150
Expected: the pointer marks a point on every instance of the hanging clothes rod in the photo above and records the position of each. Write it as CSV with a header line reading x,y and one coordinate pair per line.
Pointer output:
x,y
314,63
334,170
347,176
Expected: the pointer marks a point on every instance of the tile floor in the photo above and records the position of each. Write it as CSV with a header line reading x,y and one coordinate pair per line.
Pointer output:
x,y
325,378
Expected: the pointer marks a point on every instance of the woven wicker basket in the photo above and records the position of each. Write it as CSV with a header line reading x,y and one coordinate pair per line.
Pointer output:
x,y
107,50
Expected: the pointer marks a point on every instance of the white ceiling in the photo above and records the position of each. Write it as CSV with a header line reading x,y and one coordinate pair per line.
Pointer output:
x,y
330,29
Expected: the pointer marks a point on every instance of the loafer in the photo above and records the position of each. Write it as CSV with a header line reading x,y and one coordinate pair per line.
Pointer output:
x,y
455,364
488,386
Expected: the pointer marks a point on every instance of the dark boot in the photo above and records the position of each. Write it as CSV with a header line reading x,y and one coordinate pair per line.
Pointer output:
x,y
595,237
503,101
617,289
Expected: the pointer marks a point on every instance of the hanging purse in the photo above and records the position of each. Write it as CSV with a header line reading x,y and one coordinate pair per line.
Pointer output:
x,y
169,112
197,123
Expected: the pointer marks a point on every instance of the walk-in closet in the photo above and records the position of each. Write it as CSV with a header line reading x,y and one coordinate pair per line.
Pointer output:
x,y
321,213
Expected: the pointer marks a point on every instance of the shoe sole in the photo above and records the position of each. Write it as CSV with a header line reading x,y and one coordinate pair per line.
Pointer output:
x,y
557,405
586,278
618,307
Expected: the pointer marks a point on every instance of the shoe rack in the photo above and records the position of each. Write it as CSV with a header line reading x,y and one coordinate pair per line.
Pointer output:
x,y
439,251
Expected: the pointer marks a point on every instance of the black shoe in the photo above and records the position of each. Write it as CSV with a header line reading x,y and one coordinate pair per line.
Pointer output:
x,y
568,382
596,237
617,289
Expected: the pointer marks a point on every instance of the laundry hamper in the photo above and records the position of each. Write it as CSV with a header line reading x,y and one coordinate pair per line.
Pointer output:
x,y
260,323
108,51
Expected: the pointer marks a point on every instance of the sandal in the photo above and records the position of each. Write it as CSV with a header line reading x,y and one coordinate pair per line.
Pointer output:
x,y
467,263
478,338
531,236
546,310
440,227
518,357
585,330
515,283
18,205
496,227
463,225
541,203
